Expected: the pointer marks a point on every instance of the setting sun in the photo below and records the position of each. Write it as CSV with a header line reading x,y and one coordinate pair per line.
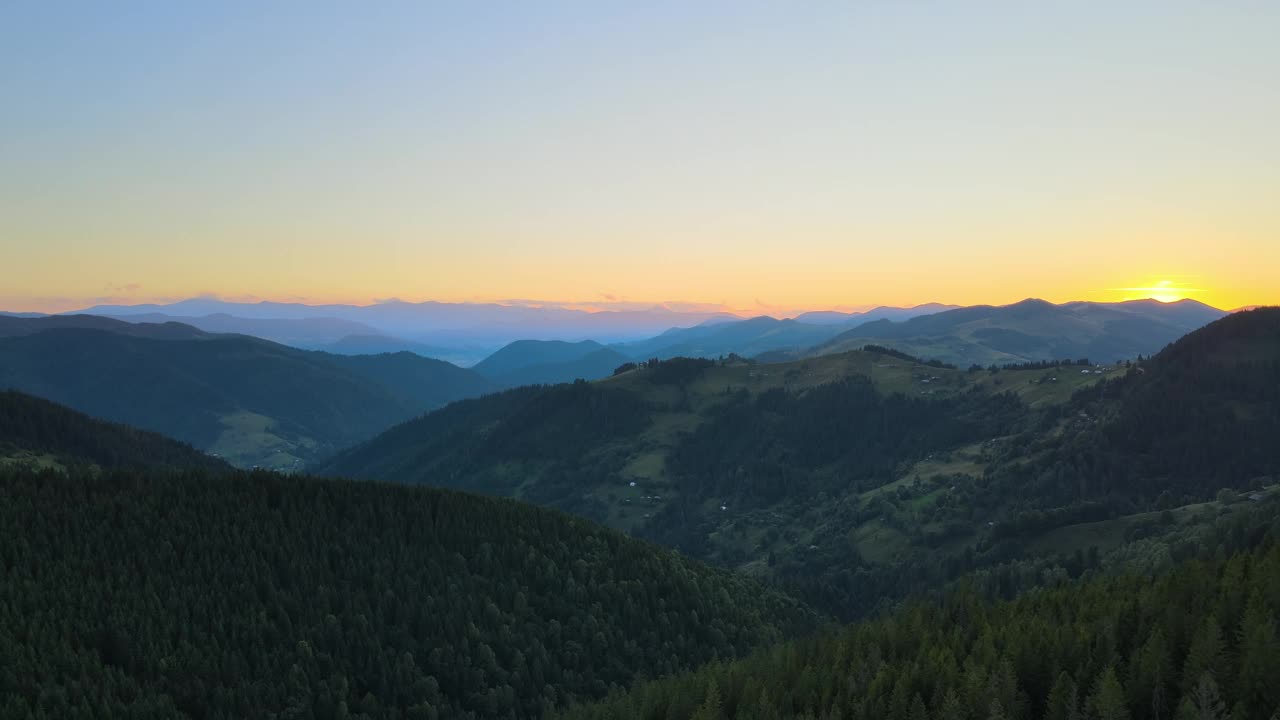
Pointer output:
x,y
1165,291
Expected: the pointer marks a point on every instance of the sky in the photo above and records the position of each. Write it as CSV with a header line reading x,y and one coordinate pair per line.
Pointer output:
x,y
753,156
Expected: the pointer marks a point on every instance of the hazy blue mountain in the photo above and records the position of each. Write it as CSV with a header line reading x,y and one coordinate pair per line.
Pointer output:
x,y
420,383
1032,330
251,401
533,362
440,323
832,317
747,337
15,326
308,333
463,355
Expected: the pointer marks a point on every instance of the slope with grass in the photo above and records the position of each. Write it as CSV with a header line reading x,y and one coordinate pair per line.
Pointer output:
x,y
262,595
34,431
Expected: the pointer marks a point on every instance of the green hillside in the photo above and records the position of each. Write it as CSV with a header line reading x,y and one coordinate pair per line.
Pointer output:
x,y
36,432
126,594
857,478
785,450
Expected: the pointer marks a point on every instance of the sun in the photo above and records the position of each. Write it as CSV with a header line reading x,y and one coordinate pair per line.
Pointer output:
x,y
1165,291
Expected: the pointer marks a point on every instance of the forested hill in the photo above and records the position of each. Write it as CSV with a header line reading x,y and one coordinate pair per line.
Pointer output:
x,y
250,401
35,431
260,595
1198,644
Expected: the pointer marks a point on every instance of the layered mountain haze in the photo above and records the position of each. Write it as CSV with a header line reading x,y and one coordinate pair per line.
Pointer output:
x,y
468,333
445,323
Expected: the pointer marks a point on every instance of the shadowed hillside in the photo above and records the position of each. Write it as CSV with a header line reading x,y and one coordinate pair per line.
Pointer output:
x,y
34,431
1198,643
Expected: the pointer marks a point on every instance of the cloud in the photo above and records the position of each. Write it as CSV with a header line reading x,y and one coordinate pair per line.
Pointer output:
x,y
128,288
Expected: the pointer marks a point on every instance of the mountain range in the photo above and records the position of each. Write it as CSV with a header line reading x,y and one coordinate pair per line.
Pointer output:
x,y
460,325
1028,331
1032,330
467,333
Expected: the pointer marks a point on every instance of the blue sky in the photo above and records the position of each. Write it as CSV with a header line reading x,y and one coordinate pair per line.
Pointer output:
x,y
824,154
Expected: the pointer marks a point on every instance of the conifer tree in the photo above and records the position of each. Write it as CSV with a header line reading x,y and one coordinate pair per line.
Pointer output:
x,y
1107,701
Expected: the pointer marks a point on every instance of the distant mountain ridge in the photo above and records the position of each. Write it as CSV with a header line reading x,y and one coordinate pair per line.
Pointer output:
x,y
441,323
540,362
762,334
832,317
1032,330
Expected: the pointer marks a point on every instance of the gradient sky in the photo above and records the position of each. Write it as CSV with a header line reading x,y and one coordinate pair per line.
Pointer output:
x,y
760,156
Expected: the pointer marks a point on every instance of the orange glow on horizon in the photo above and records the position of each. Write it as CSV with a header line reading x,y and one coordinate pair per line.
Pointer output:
x,y
1164,290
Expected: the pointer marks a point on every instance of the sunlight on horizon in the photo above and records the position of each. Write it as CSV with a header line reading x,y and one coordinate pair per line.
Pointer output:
x,y
1165,291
